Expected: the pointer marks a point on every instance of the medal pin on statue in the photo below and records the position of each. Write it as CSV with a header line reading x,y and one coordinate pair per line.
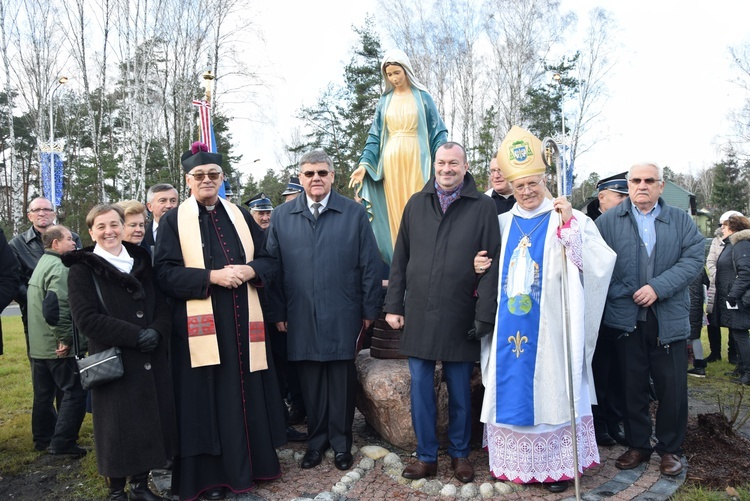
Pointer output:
x,y
551,157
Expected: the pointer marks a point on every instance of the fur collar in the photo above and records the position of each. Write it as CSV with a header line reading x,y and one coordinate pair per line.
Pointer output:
x,y
740,235
140,273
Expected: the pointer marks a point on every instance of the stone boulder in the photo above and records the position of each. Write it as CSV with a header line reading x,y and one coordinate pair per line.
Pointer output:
x,y
384,400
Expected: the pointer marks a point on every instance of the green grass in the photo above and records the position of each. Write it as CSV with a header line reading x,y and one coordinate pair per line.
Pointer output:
x,y
699,494
16,398
16,446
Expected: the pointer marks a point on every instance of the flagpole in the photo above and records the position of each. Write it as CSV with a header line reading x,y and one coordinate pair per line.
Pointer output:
x,y
205,123
53,187
551,157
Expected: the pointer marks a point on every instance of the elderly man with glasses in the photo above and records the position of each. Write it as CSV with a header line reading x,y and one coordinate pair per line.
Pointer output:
x,y
526,407
210,260
28,248
331,289
659,253
500,190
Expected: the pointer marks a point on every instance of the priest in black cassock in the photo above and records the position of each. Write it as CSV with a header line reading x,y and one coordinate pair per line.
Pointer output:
x,y
210,259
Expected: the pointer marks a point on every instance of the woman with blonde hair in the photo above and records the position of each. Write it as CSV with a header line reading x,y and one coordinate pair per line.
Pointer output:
x,y
135,221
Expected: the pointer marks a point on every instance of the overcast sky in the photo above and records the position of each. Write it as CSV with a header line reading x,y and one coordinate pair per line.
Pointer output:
x,y
669,95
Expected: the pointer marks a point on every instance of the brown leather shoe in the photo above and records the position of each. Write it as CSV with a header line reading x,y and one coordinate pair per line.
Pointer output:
x,y
462,469
631,459
670,465
420,469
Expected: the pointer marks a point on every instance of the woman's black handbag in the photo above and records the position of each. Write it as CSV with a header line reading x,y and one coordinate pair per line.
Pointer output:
x,y
99,368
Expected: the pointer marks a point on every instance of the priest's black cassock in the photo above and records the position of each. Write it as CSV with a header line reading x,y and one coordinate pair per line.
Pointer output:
x,y
229,420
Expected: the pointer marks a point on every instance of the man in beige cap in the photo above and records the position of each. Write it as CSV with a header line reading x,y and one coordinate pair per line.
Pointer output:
x,y
524,365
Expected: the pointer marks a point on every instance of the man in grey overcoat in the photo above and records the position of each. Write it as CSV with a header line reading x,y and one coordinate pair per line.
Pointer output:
x,y
435,296
330,276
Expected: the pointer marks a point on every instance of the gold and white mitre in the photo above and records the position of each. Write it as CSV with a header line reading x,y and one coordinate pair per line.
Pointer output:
x,y
520,155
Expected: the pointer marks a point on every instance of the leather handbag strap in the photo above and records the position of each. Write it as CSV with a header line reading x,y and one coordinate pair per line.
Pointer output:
x,y
76,339
99,293
76,342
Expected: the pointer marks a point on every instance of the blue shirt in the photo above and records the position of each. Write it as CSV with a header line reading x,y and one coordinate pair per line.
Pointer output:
x,y
646,225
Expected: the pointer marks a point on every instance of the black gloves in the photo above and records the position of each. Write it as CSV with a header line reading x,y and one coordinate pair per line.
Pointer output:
x,y
148,339
479,330
732,302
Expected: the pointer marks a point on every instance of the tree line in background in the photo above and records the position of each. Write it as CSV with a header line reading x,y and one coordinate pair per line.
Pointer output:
x,y
126,113
487,64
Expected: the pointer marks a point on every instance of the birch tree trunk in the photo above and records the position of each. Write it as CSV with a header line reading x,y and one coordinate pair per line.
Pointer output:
x,y
77,36
10,176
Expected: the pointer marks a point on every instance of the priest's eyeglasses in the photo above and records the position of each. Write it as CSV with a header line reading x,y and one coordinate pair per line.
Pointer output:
x,y
199,176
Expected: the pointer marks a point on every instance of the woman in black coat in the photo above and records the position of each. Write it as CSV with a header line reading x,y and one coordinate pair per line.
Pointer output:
x,y
134,416
732,286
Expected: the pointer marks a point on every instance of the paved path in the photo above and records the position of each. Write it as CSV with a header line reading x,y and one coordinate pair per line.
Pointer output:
x,y
380,479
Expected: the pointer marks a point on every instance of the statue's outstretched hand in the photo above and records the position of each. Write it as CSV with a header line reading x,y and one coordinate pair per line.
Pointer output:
x,y
357,177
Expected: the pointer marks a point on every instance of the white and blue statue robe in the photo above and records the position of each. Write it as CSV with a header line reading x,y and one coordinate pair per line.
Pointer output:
x,y
526,407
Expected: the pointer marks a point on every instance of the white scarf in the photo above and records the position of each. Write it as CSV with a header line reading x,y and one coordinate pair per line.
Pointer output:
x,y
123,262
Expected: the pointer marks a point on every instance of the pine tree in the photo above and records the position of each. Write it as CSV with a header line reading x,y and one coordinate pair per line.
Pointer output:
x,y
341,119
485,148
728,191
363,86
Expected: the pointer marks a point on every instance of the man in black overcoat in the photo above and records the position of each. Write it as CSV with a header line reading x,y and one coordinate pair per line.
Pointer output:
x,y
435,296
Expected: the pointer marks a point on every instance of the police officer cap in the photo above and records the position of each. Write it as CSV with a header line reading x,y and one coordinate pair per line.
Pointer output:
x,y
259,202
617,183
293,187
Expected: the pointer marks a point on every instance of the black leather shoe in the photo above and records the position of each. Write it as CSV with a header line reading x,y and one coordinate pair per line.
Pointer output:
x,y
296,416
619,437
215,493
295,436
139,490
713,357
74,451
604,439
557,486
312,459
343,460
